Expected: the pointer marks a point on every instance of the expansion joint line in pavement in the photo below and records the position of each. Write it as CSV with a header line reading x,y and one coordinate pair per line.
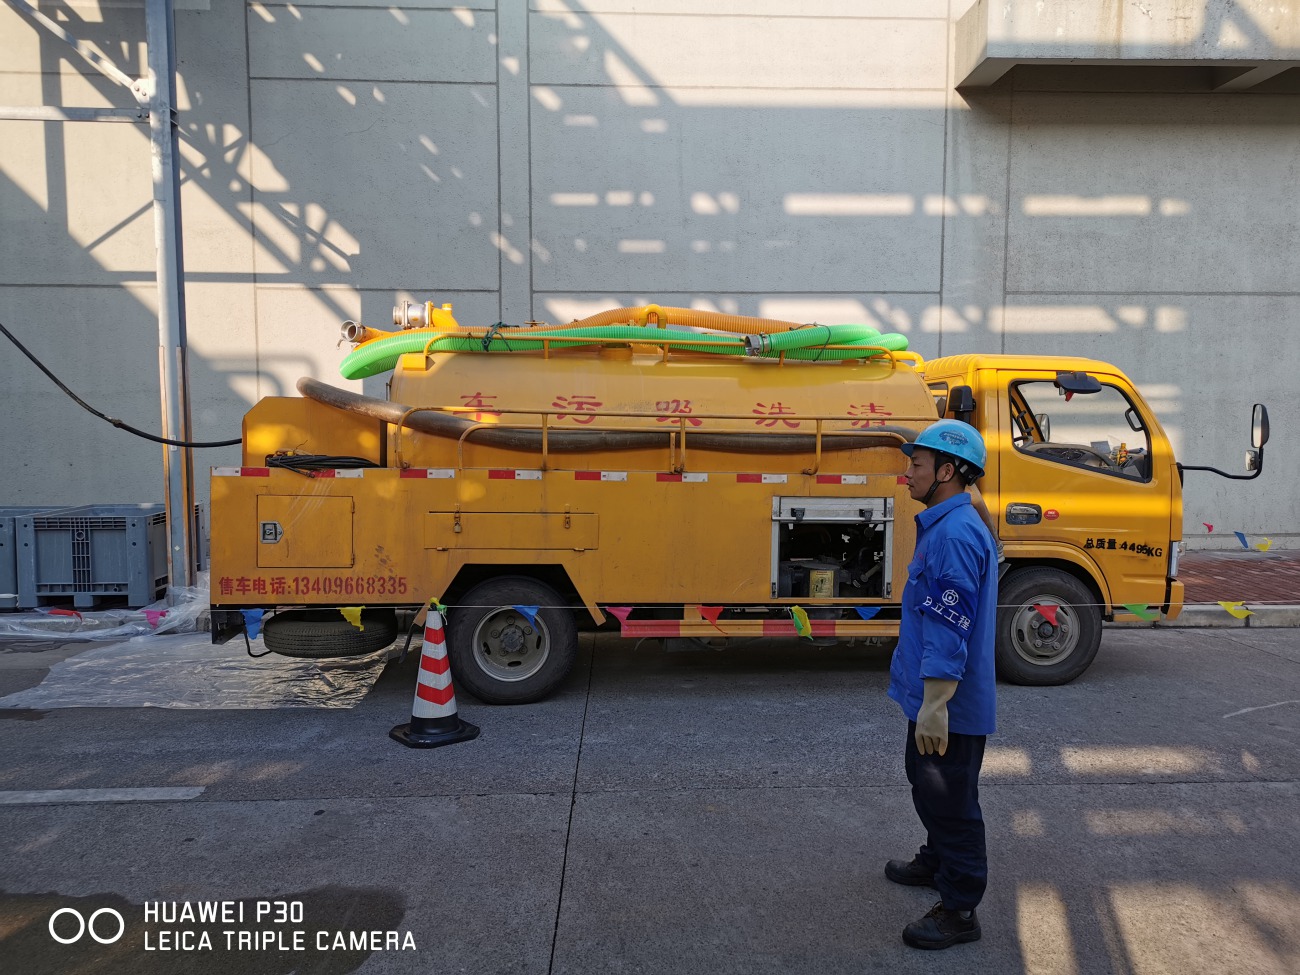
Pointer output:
x,y
573,802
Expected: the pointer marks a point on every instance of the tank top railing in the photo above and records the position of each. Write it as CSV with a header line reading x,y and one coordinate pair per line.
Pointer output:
x,y
678,435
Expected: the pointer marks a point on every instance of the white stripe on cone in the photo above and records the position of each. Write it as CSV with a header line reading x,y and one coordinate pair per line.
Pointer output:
x,y
434,695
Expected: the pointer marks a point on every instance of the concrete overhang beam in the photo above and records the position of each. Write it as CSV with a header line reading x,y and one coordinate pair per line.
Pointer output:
x,y
1245,42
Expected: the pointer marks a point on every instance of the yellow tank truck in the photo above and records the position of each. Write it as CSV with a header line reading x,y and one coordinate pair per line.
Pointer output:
x,y
681,475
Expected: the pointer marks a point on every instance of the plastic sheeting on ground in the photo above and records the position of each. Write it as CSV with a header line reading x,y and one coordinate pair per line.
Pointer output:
x,y
187,671
178,612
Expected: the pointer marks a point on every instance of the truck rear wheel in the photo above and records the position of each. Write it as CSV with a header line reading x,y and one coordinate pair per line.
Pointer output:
x,y
1030,649
500,655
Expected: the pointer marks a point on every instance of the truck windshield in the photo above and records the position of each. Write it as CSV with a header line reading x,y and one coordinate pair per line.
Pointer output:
x,y
1101,431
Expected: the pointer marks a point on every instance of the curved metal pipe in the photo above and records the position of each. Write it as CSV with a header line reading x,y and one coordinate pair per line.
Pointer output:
x,y
356,333
667,315
576,441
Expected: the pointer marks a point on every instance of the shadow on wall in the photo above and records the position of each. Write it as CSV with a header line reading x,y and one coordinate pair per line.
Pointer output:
x,y
848,198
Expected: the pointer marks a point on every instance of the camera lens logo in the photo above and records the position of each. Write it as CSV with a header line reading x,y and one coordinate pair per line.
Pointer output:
x,y
85,925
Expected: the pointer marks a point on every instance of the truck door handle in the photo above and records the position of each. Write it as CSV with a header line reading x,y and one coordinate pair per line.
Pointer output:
x,y
1019,513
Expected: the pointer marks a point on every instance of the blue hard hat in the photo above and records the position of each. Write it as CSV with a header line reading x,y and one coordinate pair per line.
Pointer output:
x,y
952,437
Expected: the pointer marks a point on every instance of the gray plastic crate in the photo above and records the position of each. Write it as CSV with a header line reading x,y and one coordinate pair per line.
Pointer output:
x,y
9,514
91,553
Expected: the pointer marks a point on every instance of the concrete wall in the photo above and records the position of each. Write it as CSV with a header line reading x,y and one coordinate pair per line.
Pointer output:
x,y
544,160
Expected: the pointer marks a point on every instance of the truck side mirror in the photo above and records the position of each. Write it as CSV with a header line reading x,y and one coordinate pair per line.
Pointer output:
x,y
1044,425
1259,426
1077,382
961,403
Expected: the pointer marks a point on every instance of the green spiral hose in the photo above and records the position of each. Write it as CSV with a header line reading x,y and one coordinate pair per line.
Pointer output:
x,y
372,358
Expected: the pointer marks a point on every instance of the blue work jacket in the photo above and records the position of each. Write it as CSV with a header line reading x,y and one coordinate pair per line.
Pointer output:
x,y
949,611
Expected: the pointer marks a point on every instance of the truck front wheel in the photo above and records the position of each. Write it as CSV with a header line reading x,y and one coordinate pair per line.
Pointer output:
x,y
1033,649
500,651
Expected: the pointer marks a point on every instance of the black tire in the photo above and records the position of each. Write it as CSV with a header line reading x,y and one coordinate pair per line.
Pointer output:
x,y
1065,651
321,633
513,662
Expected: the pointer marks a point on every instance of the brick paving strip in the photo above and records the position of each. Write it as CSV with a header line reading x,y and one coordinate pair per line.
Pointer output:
x,y
1252,577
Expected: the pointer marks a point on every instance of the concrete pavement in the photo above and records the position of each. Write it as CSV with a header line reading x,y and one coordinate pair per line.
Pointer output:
x,y
678,813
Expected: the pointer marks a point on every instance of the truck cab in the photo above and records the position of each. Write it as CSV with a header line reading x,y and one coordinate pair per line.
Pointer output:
x,y
1086,496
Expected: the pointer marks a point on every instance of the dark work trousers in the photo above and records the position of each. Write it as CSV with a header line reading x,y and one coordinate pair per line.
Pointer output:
x,y
945,791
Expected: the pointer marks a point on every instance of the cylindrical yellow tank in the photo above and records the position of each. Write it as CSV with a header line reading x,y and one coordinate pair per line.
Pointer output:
x,y
879,401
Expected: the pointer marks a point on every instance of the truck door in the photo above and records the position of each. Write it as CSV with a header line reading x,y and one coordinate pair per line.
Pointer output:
x,y
1078,470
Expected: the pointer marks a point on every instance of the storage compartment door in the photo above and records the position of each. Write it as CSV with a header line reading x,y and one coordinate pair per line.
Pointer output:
x,y
304,532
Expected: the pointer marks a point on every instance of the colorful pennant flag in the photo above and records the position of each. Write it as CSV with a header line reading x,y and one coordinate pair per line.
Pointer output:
x,y
438,606
711,613
867,612
1264,545
528,612
1236,609
1208,526
621,613
1241,537
252,622
154,615
1141,612
1047,611
353,615
801,624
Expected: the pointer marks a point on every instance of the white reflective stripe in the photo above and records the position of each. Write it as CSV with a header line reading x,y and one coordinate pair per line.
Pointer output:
x,y
613,475
427,709
773,478
440,472
38,797
225,472
695,478
435,680
528,475
350,472
854,479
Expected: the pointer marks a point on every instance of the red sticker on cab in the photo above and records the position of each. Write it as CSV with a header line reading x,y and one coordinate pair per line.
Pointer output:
x,y
1051,514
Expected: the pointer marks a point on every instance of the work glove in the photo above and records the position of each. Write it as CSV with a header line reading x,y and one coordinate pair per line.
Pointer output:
x,y
932,719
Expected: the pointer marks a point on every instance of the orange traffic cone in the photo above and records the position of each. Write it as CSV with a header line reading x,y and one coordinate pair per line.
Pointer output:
x,y
434,721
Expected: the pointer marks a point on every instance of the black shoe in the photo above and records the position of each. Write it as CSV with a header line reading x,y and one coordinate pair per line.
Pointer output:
x,y
913,874
942,928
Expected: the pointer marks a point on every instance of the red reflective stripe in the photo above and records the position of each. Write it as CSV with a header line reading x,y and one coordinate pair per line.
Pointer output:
x,y
749,478
829,479
586,475
652,628
668,477
902,479
435,665
501,475
255,472
328,473
414,472
434,635
435,695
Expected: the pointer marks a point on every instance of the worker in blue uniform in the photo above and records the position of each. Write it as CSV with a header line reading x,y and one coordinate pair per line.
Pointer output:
x,y
942,675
